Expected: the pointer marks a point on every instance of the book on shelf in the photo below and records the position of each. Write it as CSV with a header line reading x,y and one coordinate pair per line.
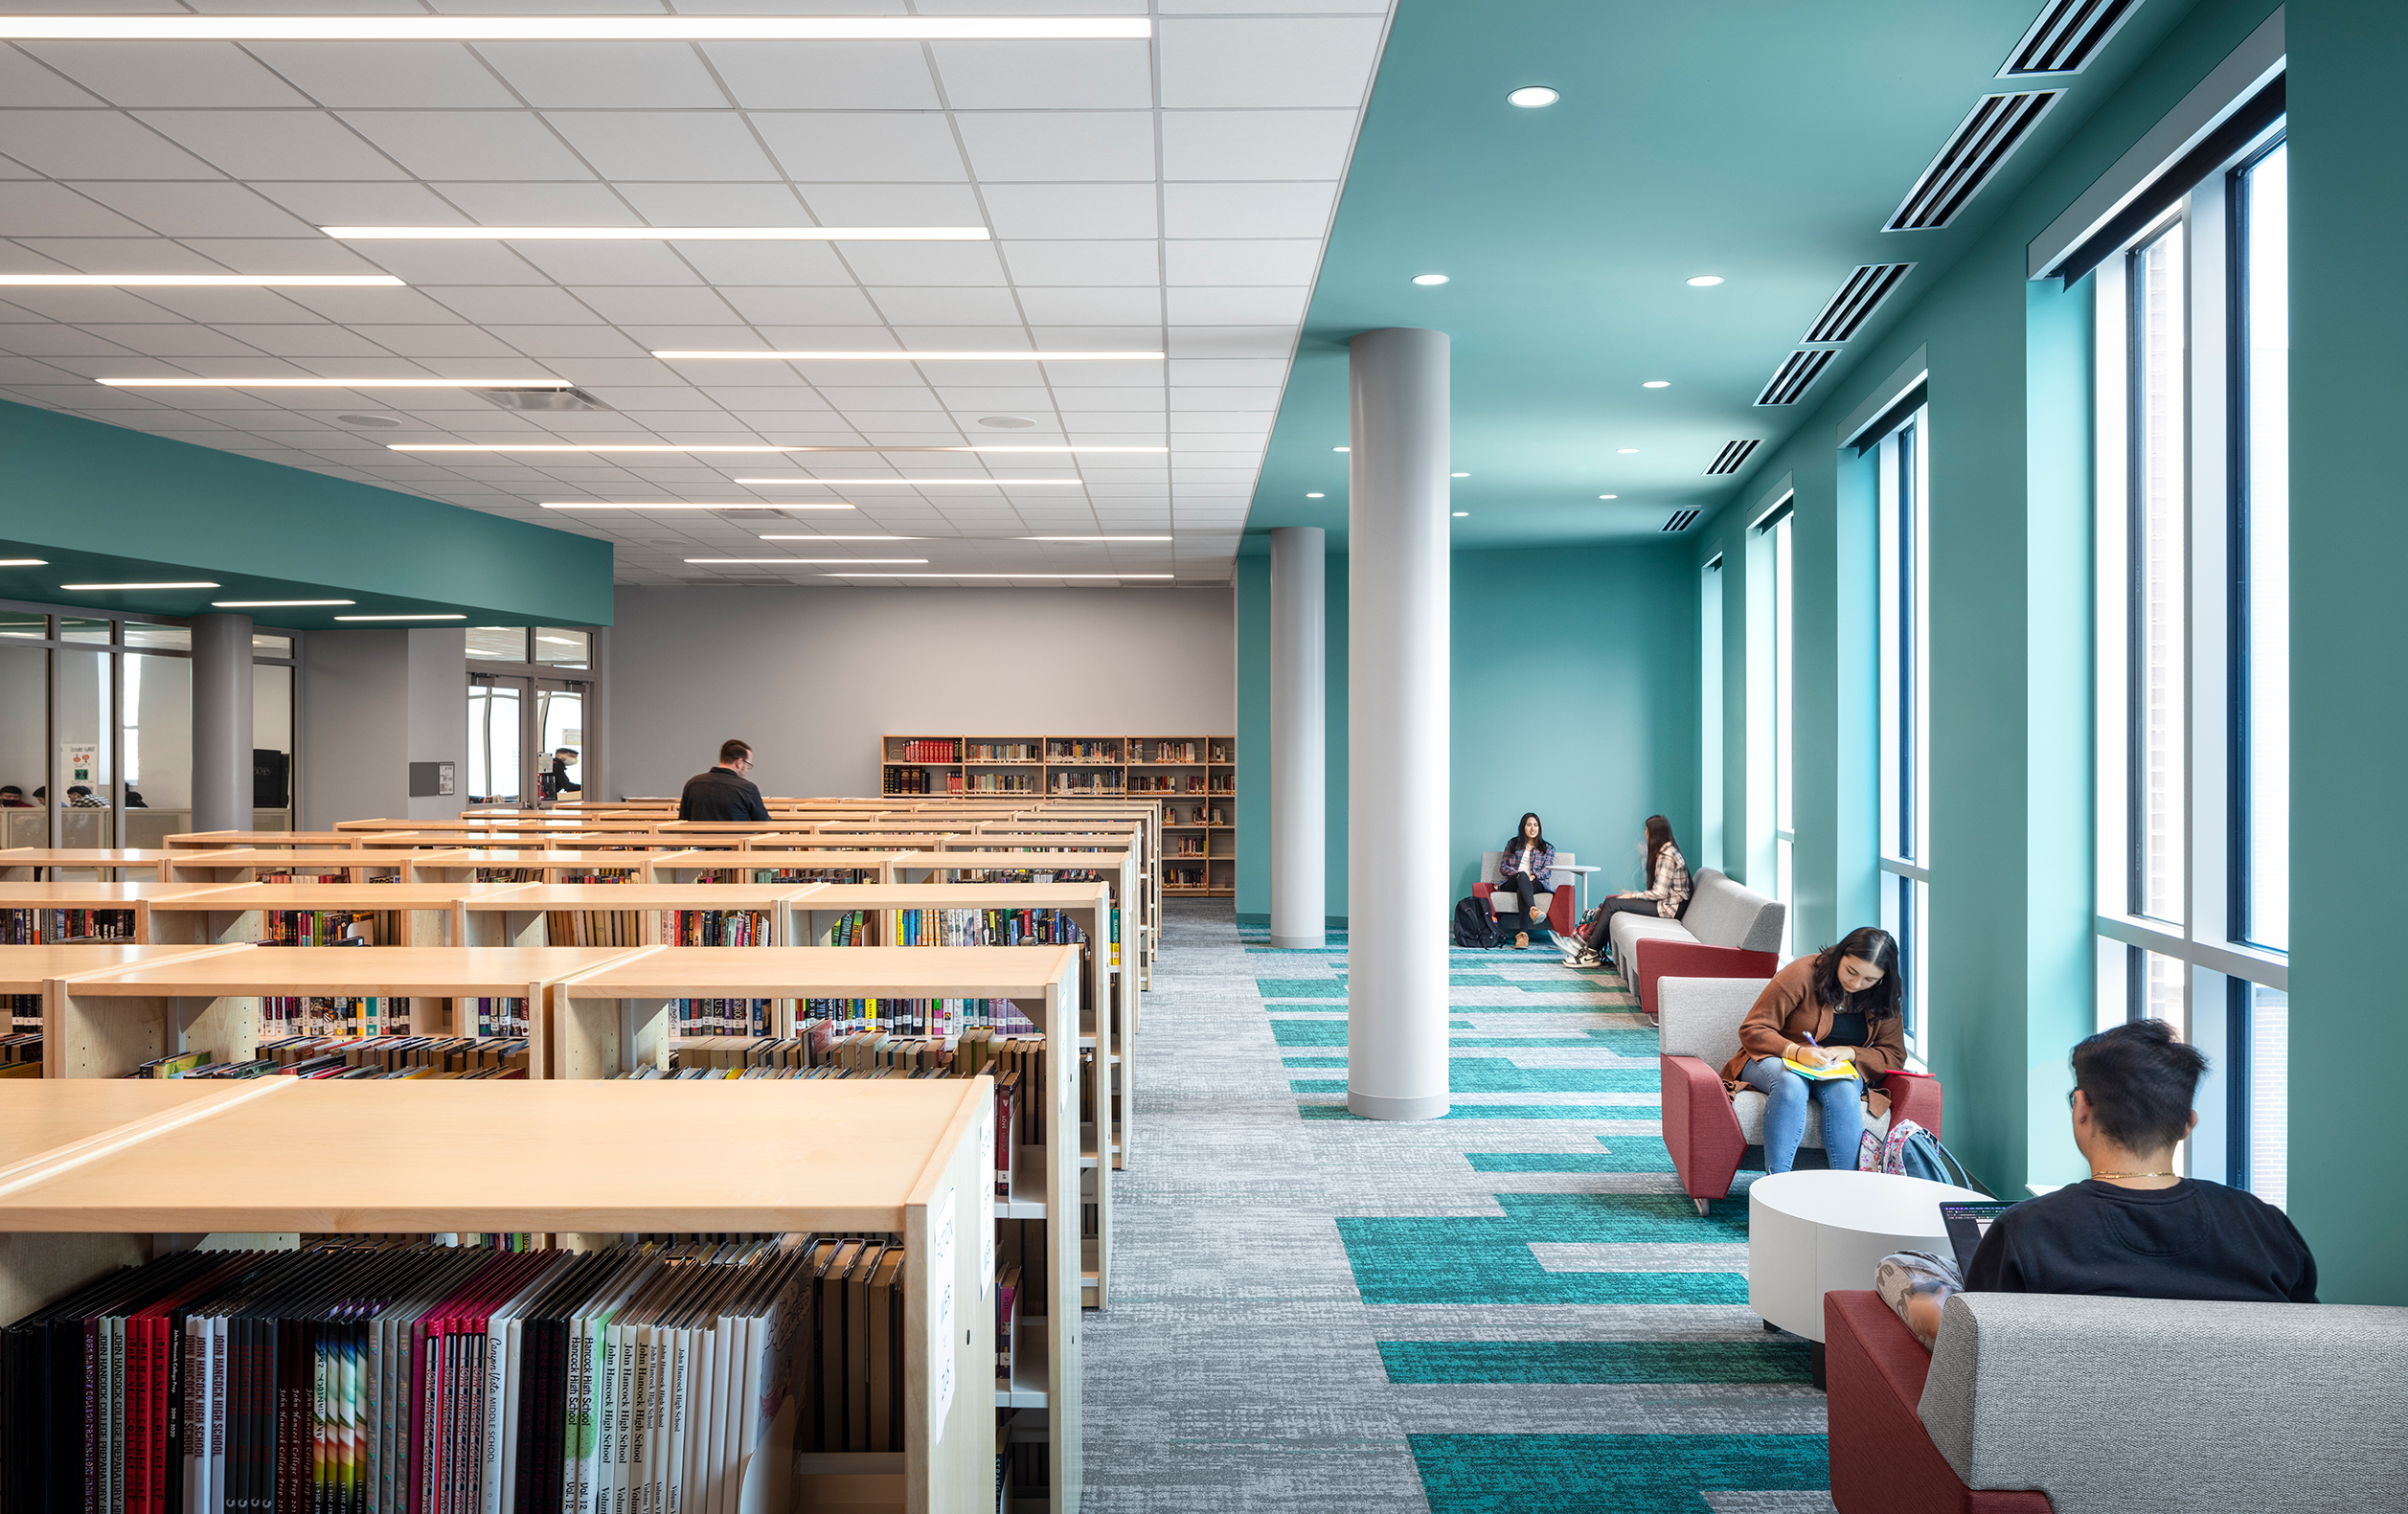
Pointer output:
x,y
25,1011
21,1053
385,1375
41,927
718,927
1000,752
931,749
321,927
337,1015
1178,752
1074,749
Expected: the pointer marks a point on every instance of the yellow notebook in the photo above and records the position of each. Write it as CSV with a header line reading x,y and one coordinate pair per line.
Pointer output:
x,y
1841,1069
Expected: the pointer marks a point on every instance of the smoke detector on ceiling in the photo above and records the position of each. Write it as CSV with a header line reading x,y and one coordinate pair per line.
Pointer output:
x,y
1007,422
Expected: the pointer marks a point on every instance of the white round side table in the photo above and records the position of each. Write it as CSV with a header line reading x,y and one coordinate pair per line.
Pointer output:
x,y
1810,1232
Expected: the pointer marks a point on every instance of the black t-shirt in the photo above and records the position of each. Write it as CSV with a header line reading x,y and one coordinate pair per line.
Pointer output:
x,y
1847,1029
718,793
2194,1240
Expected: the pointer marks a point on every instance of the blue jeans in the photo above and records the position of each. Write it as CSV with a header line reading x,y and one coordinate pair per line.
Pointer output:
x,y
1786,1096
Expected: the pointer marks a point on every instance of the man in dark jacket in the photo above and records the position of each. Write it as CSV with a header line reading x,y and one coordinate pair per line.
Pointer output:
x,y
723,792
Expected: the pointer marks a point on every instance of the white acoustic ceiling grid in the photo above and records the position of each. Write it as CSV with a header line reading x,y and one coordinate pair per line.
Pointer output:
x,y
1170,195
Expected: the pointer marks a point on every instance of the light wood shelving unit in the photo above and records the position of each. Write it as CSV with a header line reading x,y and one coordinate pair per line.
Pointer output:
x,y
135,899
122,863
515,915
417,913
95,1176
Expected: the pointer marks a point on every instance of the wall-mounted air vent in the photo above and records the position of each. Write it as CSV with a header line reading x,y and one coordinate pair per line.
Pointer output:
x,y
1681,520
1795,376
540,400
1732,458
1980,145
1855,303
2068,34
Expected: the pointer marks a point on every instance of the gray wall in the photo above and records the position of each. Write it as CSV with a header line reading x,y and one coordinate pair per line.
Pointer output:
x,y
374,702
813,677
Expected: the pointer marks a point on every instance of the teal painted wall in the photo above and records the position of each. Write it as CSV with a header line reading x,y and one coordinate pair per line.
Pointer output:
x,y
2007,971
1593,725
2348,198
79,490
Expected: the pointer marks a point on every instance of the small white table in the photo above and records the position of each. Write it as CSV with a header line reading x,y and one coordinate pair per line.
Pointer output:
x,y
1810,1232
1580,872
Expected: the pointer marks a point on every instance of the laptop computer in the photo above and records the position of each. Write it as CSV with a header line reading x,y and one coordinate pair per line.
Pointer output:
x,y
1967,1224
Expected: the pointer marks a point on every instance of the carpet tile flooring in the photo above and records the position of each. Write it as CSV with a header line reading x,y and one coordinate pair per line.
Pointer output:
x,y
1510,1309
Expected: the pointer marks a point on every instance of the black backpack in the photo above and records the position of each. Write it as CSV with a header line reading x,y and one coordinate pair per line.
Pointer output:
x,y
1474,926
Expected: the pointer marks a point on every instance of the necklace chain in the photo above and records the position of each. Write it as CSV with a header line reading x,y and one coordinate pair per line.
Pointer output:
x,y
2098,1175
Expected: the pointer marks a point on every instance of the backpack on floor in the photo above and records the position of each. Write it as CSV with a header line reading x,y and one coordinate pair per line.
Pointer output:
x,y
1910,1151
1474,927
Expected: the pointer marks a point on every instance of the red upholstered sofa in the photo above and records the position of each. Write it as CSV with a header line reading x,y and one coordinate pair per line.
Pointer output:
x,y
1709,1131
1882,1459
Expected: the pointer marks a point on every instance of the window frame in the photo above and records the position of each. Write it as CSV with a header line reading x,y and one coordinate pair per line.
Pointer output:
x,y
1903,850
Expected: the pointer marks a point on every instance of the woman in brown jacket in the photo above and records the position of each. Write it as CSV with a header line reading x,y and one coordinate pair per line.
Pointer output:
x,y
1841,1004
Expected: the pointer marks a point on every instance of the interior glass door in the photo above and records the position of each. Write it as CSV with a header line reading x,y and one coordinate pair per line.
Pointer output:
x,y
560,731
498,710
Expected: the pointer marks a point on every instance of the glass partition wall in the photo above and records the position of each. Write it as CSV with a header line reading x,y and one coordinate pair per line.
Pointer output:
x,y
527,722
96,729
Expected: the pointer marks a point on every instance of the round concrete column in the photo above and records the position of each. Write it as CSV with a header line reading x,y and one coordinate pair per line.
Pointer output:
x,y
222,722
1300,843
1397,725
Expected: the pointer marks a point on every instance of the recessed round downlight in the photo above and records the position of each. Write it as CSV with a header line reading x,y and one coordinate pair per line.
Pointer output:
x,y
1007,422
1705,280
1533,97
1657,383
1429,281
1316,496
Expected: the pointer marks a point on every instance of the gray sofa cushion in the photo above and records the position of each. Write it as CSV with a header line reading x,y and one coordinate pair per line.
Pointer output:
x,y
1724,912
2146,1406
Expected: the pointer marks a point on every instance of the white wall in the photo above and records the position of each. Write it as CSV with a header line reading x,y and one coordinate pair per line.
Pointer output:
x,y
813,677
24,718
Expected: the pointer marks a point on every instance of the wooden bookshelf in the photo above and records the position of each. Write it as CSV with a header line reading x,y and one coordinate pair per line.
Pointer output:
x,y
515,915
279,840
108,1021
132,900
122,863
479,863
761,866
417,913
621,1011
98,1175
245,864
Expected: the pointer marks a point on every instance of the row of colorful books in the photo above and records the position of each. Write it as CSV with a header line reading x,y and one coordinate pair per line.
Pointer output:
x,y
42,927
21,1052
939,749
321,927
353,1057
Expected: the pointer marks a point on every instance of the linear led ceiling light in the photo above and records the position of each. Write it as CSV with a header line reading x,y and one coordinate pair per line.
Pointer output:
x,y
1095,538
687,505
815,536
173,28
911,357
997,576
815,561
916,483
335,383
400,617
659,234
202,281
24,562
271,604
558,446
87,587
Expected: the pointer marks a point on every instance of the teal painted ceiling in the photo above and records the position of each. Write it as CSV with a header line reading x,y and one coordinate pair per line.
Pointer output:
x,y
1764,141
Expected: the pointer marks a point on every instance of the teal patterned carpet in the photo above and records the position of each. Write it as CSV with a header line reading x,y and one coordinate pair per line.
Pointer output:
x,y
1510,1309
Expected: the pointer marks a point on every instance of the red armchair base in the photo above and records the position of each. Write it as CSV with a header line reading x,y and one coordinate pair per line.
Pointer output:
x,y
1882,1459
1651,960
1559,906
1702,1131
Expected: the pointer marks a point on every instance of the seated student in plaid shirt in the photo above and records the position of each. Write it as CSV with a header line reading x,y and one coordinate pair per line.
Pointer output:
x,y
1527,869
1665,897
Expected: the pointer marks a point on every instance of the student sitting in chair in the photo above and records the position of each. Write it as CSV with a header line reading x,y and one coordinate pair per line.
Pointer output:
x,y
2137,1228
1839,1014
1665,897
1527,870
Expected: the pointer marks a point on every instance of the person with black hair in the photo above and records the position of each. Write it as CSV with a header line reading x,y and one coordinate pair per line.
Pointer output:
x,y
13,797
558,779
1526,867
1666,897
2137,1228
723,792
1843,1005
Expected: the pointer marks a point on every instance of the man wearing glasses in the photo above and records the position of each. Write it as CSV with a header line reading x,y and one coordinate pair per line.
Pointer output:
x,y
723,792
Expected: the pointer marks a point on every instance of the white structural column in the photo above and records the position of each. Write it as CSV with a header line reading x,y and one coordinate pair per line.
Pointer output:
x,y
1299,683
1397,725
222,722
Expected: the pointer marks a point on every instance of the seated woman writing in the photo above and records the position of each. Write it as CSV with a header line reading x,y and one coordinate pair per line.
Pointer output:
x,y
1665,897
1837,1008
1526,871
2138,1229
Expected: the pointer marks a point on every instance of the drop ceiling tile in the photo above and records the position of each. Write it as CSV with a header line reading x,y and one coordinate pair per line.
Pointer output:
x,y
715,205
766,398
883,398
693,424
1255,144
1288,61
79,306
266,255
94,144
674,144
873,147
807,307
1084,264
23,81
826,76
184,339
374,204
186,208
1046,76
54,209
531,307
471,144
1093,306
1285,261
504,204
1117,427
1247,210
1237,307
773,263
143,72
972,308
1073,210
437,341
1102,339
895,205
997,397
633,397
368,75
1221,372
1056,145
656,307
261,144
323,340
1191,398
960,263
568,341
608,263
219,306
381,307
1097,396
1141,375
644,76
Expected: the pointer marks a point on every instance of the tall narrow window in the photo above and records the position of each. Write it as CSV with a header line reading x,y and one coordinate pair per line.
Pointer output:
x,y
1904,862
1710,715
2193,636
1784,725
